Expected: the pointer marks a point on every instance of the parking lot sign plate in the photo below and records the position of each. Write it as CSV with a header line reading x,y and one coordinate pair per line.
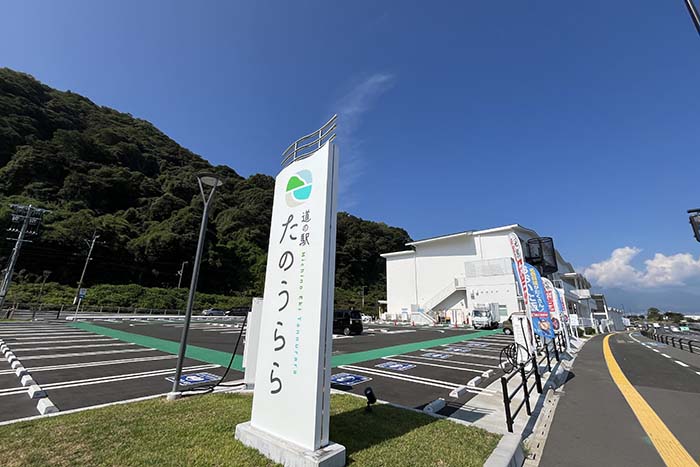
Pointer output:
x,y
442,356
348,379
195,379
395,366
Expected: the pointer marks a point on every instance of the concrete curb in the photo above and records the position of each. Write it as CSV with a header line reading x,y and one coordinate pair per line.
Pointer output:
x,y
34,391
46,406
508,453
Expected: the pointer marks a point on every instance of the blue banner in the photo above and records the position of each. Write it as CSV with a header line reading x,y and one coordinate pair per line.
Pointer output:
x,y
539,309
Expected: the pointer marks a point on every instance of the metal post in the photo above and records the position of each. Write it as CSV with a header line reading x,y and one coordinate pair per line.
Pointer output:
x,y
556,350
525,389
546,351
506,404
693,14
180,273
174,394
536,369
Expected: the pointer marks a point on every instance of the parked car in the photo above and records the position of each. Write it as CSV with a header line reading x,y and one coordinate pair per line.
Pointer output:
x,y
366,318
347,322
213,312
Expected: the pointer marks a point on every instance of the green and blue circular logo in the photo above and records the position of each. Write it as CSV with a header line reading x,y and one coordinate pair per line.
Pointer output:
x,y
298,188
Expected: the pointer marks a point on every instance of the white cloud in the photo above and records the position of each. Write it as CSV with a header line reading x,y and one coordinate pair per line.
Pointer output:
x,y
659,271
351,109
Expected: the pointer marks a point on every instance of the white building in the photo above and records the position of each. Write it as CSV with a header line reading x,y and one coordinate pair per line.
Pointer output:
x,y
446,277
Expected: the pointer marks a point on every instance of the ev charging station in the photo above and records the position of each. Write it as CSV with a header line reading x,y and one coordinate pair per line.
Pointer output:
x,y
291,400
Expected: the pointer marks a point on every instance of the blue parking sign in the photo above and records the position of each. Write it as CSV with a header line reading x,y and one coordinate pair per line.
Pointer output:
x,y
195,379
441,356
398,366
348,379
458,349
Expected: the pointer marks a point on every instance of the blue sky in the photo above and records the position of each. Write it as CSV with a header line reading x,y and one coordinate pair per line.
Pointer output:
x,y
580,121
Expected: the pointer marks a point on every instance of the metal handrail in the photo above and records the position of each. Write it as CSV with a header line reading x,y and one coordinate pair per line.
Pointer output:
x,y
323,135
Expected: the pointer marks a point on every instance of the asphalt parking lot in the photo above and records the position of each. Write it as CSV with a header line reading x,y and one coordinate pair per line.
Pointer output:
x,y
78,368
101,361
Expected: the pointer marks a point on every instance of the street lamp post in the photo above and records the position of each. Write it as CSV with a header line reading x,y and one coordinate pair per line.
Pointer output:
x,y
693,12
210,181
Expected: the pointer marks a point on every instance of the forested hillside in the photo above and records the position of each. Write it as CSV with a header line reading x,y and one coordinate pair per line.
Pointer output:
x,y
99,169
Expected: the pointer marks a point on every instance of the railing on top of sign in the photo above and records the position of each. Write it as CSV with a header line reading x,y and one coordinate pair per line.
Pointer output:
x,y
307,145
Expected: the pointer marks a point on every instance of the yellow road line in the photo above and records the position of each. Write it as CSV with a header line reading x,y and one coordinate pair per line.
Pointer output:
x,y
669,448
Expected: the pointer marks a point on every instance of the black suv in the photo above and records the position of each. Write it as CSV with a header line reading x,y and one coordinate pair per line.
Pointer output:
x,y
347,322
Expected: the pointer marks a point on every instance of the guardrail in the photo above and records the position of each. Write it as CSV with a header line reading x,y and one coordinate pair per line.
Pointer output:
x,y
523,386
691,346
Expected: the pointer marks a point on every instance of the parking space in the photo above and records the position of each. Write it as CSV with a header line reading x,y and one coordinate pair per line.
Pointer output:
x,y
78,368
101,361
417,378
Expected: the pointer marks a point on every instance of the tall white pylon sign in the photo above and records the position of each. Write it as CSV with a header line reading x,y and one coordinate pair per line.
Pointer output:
x,y
291,400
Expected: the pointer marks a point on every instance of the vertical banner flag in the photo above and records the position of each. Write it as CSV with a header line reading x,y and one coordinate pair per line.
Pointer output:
x,y
539,309
292,388
521,280
552,304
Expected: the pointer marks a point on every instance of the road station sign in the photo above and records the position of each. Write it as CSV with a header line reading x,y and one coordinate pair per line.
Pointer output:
x,y
348,379
397,366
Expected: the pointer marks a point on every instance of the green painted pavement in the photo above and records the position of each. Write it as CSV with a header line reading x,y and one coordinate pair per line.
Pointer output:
x,y
222,358
197,353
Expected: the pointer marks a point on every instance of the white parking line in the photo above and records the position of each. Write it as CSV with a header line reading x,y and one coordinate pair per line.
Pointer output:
x,y
89,364
411,379
57,336
448,367
85,354
655,350
63,347
448,361
667,356
697,372
681,364
464,354
96,339
29,335
110,379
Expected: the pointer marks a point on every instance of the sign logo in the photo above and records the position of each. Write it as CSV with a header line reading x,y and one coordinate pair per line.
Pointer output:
x,y
298,188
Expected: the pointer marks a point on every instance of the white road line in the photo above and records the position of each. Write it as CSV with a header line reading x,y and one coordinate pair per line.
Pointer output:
x,y
27,335
655,350
471,370
63,347
89,364
667,356
443,384
448,361
85,354
697,372
681,364
97,339
111,379
58,336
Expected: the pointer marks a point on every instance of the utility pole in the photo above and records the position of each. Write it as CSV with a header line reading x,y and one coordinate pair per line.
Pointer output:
x,y
46,275
180,273
362,293
30,218
78,298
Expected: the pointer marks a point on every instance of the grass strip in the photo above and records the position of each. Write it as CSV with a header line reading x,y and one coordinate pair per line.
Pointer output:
x,y
198,431
222,358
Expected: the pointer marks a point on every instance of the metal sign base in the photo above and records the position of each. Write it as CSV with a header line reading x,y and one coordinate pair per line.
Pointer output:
x,y
285,453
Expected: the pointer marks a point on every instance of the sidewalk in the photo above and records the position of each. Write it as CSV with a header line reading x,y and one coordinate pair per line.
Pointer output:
x,y
593,424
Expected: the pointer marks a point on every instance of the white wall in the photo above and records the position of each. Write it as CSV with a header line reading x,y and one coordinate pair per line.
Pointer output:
x,y
440,262
400,283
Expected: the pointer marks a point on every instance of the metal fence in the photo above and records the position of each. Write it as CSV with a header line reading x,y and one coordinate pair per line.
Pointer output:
x,y
523,386
689,345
